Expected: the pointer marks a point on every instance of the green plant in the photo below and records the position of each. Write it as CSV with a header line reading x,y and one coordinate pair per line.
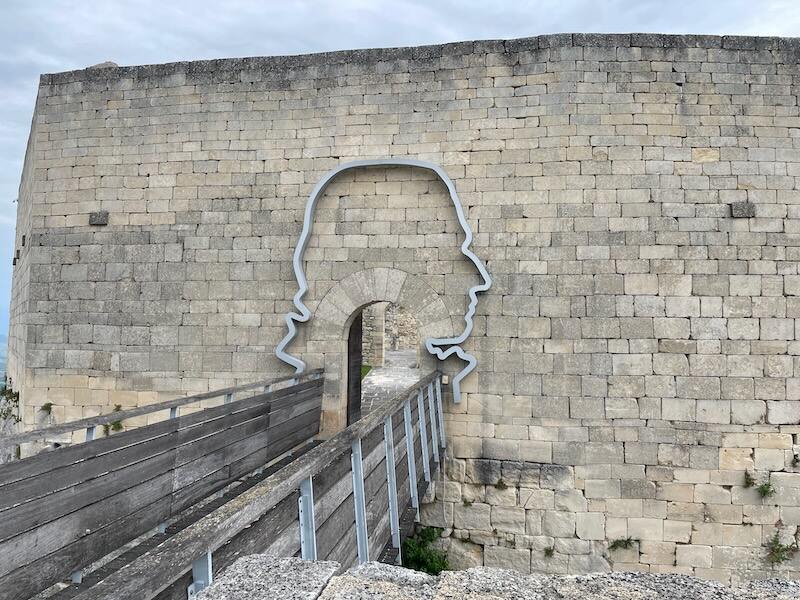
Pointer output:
x,y
501,485
622,543
766,490
466,502
364,370
47,407
748,480
548,552
778,552
420,556
116,425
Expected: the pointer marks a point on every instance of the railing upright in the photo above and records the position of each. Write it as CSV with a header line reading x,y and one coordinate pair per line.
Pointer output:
x,y
391,482
308,529
359,501
440,410
202,575
423,437
434,428
410,455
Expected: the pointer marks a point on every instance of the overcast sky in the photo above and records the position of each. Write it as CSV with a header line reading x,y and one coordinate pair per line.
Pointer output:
x,y
47,36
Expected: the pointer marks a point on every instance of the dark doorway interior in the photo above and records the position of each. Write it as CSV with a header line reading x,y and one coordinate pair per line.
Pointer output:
x,y
354,362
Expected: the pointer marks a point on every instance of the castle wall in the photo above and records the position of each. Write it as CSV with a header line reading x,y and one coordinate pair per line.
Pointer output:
x,y
634,197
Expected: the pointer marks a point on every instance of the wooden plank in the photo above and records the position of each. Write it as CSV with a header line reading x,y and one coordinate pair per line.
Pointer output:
x,y
30,515
378,535
311,418
195,480
312,401
52,488
55,430
329,477
338,524
282,439
157,570
345,551
258,537
167,436
27,547
45,462
26,581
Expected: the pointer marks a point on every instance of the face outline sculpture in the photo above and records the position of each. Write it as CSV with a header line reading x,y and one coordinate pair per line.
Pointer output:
x,y
442,348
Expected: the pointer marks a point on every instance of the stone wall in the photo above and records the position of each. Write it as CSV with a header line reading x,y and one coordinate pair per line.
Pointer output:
x,y
373,334
635,199
402,332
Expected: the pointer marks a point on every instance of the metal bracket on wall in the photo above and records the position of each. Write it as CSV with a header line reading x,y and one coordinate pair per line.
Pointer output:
x,y
442,348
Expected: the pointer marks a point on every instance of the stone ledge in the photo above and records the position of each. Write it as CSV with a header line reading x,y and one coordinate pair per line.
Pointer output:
x,y
260,578
373,55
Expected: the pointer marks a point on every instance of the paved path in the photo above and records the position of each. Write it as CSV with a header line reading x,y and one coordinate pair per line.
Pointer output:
x,y
400,370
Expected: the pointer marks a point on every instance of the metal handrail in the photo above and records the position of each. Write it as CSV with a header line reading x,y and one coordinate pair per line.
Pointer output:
x,y
90,423
146,577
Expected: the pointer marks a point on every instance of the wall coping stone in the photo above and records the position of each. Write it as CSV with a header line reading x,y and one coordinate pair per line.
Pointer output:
x,y
278,64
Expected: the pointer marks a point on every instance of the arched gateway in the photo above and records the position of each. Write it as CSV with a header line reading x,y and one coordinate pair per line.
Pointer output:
x,y
441,347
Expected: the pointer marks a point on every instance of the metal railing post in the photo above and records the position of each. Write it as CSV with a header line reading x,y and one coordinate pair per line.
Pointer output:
x,y
440,410
357,465
434,426
308,529
410,456
423,436
391,481
202,575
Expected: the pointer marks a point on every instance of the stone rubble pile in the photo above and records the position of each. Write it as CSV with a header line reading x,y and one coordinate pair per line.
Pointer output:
x,y
259,577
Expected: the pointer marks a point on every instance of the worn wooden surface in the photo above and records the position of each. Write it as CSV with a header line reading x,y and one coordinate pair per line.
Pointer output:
x,y
80,506
156,571
100,420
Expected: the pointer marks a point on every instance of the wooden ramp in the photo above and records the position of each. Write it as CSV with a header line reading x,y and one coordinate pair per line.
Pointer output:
x,y
63,510
348,499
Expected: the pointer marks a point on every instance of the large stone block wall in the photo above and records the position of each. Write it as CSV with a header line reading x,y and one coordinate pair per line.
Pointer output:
x,y
635,199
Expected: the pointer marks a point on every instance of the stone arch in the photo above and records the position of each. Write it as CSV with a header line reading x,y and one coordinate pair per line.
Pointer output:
x,y
335,312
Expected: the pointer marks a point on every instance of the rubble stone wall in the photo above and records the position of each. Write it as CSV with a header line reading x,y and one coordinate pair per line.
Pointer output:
x,y
635,198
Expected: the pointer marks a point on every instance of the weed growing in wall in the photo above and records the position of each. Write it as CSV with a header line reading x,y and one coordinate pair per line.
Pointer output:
x,y
418,554
778,552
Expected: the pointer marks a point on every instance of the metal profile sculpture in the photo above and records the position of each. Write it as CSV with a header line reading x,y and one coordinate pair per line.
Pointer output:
x,y
442,348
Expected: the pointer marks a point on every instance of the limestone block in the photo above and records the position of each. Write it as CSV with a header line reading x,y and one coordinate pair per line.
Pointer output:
x,y
508,519
694,556
473,516
558,523
590,526
464,555
507,558
646,528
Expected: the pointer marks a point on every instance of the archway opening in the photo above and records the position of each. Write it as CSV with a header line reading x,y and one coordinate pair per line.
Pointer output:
x,y
390,353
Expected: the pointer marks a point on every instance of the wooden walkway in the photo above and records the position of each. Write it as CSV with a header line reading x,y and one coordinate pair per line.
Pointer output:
x,y
199,478
63,510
